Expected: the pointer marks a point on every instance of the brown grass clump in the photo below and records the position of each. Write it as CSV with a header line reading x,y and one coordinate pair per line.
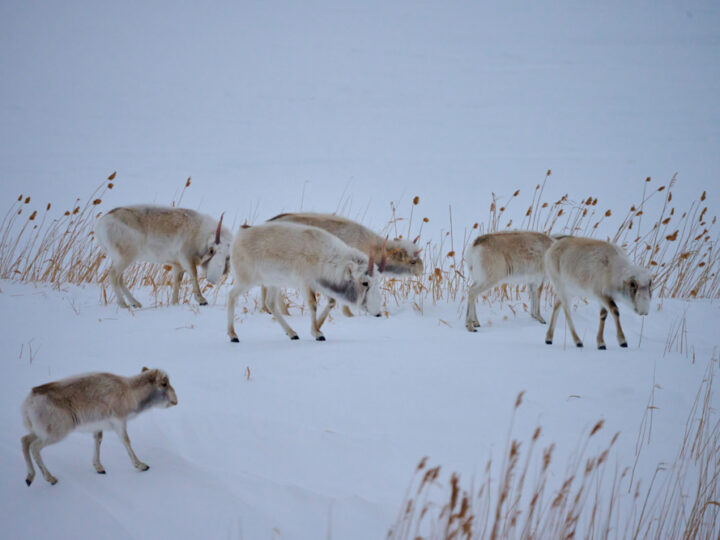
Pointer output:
x,y
590,499
681,248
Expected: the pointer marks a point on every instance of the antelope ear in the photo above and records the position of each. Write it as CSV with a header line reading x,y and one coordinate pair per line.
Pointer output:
x,y
144,369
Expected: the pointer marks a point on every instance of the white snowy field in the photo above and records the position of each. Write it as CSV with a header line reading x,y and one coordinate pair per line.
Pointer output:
x,y
334,106
321,439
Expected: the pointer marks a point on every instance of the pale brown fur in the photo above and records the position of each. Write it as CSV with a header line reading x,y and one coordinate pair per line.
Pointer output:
x,y
506,257
307,258
402,256
599,269
180,237
90,402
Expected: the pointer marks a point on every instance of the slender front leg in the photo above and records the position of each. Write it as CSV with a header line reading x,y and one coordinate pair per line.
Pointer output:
x,y
232,298
535,292
192,270
98,436
601,330
312,306
553,320
325,312
278,316
27,440
346,311
616,315
177,278
120,427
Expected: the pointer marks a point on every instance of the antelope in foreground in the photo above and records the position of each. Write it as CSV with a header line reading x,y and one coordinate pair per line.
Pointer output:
x,y
306,258
178,236
401,256
600,269
506,257
92,403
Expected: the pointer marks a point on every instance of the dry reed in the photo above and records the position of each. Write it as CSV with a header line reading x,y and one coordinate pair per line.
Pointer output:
x,y
681,248
589,499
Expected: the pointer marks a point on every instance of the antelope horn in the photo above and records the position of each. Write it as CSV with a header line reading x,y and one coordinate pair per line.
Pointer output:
x,y
371,265
383,256
416,253
217,233
416,239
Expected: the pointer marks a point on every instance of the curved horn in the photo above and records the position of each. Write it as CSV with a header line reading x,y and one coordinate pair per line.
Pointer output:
x,y
416,239
383,256
371,264
416,253
217,233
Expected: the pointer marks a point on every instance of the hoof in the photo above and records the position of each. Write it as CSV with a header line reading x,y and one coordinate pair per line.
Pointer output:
x,y
294,337
548,342
143,467
476,325
203,303
102,472
379,315
52,480
624,345
579,345
320,338
602,348
234,340
28,481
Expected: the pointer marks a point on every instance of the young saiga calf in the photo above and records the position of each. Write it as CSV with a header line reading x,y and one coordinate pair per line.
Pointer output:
x,y
92,403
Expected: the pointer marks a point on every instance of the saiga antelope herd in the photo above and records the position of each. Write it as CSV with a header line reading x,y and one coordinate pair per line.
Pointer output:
x,y
313,253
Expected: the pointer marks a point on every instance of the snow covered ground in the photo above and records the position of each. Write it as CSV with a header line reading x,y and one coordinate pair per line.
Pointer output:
x,y
322,438
328,106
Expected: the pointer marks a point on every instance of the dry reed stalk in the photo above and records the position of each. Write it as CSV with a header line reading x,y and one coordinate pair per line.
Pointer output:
x,y
681,500
681,248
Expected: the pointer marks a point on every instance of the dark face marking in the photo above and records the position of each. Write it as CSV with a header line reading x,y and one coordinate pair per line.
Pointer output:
x,y
345,289
153,398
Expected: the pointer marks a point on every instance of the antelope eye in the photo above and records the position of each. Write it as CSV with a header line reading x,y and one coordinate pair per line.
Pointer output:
x,y
633,284
413,261
164,384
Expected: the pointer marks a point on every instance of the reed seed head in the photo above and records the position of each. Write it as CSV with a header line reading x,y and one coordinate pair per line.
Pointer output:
x,y
112,176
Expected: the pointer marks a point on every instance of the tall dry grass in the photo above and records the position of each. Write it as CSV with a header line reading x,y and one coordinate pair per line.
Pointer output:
x,y
680,246
589,497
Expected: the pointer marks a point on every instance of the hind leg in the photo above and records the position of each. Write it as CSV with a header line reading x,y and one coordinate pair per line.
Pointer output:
x,y
98,435
115,277
177,278
27,440
471,318
346,311
236,291
120,288
35,447
535,292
